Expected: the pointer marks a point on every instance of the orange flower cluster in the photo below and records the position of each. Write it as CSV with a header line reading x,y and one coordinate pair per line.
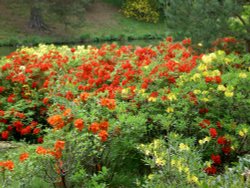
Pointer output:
x,y
109,103
100,128
79,124
56,121
7,165
55,152
59,120
84,96
23,157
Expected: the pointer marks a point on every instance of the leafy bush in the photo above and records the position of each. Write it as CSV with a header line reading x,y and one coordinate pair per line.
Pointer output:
x,y
142,10
126,116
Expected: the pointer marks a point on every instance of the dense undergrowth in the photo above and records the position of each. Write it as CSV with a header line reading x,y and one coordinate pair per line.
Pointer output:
x,y
124,116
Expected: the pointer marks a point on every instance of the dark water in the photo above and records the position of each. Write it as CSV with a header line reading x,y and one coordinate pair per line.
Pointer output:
x,y
6,50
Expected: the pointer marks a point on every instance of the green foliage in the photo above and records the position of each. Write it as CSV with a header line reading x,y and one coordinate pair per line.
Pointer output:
x,y
125,116
204,21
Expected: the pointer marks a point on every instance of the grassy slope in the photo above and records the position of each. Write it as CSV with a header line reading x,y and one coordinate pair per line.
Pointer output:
x,y
102,19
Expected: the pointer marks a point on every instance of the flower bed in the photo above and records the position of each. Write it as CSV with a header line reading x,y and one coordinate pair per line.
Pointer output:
x,y
124,115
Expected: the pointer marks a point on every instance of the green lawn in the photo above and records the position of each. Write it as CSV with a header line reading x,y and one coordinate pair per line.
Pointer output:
x,y
102,20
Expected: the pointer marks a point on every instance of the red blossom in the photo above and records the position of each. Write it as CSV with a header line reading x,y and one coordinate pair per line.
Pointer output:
x,y
216,159
226,150
94,127
221,140
40,140
79,124
213,132
36,131
5,135
211,170
103,135
2,89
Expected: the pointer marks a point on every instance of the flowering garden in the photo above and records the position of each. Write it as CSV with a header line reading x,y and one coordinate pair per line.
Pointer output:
x,y
125,116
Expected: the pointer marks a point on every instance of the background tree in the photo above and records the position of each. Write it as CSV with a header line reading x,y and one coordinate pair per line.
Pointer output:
x,y
36,18
66,10
62,9
206,20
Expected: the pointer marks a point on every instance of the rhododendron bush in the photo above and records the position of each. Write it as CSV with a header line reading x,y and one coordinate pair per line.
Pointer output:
x,y
125,115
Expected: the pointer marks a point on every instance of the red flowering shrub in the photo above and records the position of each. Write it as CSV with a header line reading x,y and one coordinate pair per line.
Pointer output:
x,y
119,97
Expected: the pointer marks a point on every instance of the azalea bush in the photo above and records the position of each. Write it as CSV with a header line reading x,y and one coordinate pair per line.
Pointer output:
x,y
143,10
126,116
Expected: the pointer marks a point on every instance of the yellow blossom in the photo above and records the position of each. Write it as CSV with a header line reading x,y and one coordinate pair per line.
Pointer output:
x,y
229,93
204,92
170,109
221,88
160,161
125,91
172,97
152,99
204,140
201,142
150,176
216,73
186,169
207,139
202,67
193,179
141,91
243,132
183,147
242,75
197,91
195,77
173,162
205,99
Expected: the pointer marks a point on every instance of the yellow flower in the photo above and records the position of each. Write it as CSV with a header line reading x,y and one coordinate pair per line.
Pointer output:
x,y
243,132
207,59
221,88
160,162
204,92
170,109
195,77
186,169
125,91
150,176
216,73
183,147
207,139
204,140
172,97
152,99
229,93
197,91
205,99
173,162
201,142
220,52
141,91
202,67
242,75
193,178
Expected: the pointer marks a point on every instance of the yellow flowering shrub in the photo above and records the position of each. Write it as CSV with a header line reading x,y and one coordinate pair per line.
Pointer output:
x,y
141,10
